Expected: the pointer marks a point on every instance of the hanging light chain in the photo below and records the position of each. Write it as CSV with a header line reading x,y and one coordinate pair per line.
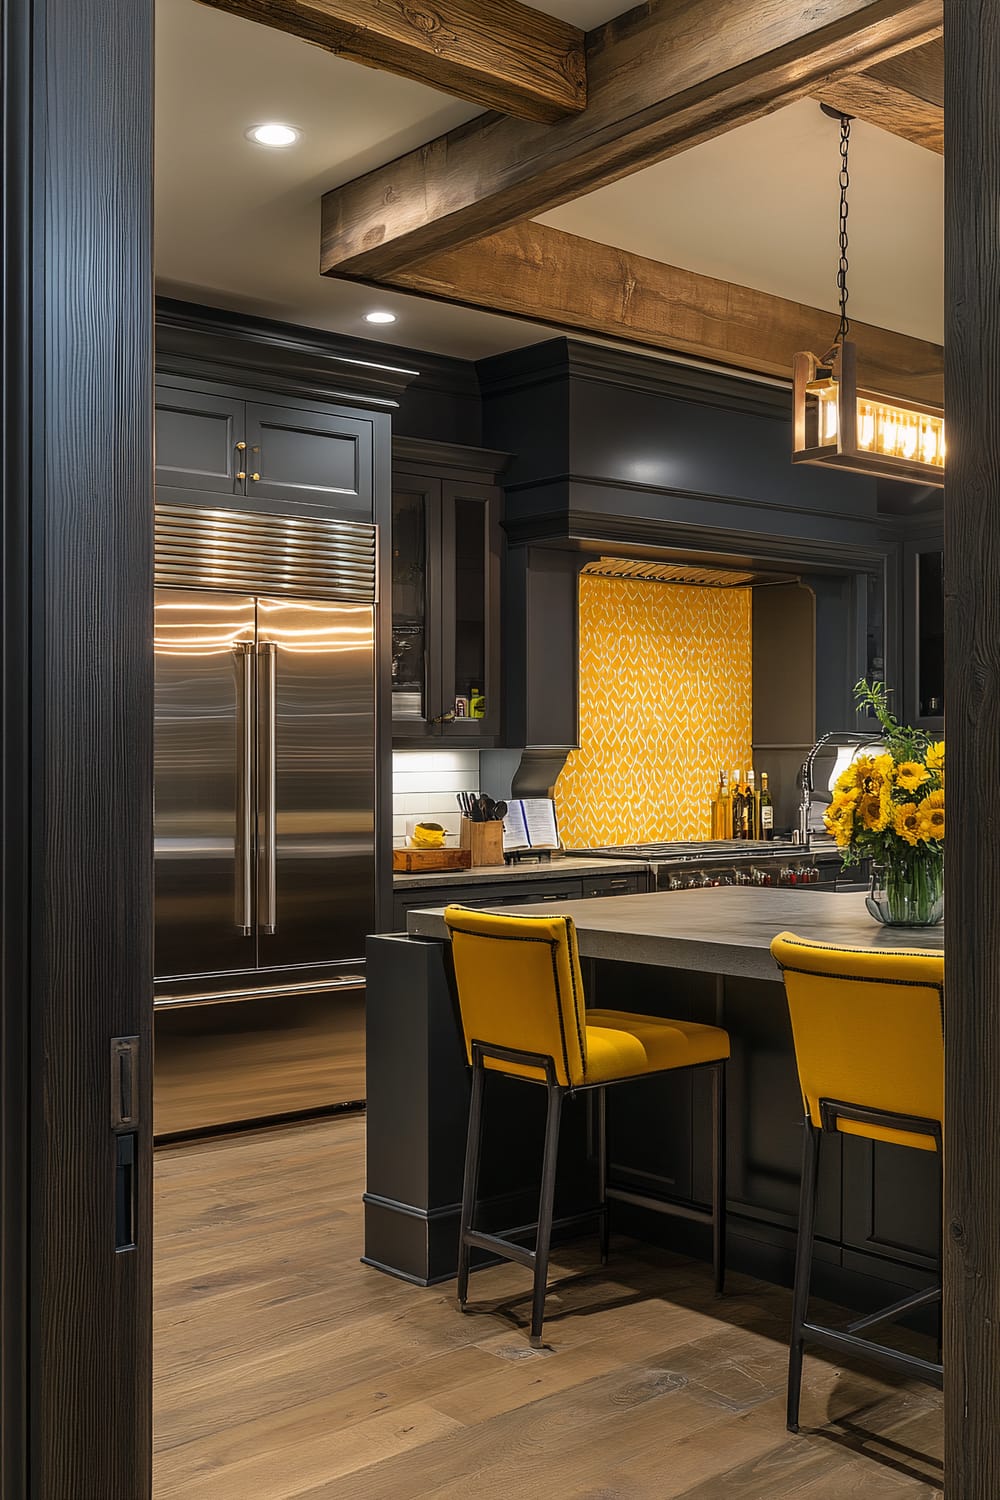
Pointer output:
x,y
845,182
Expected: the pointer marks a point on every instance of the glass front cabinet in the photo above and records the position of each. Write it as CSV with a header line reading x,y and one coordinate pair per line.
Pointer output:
x,y
923,607
446,557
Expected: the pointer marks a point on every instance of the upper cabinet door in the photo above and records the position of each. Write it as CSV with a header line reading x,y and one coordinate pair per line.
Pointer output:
x,y
321,462
197,442
416,586
470,615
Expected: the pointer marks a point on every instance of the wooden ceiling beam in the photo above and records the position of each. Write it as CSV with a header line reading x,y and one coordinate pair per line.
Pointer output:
x,y
543,274
498,53
661,78
904,95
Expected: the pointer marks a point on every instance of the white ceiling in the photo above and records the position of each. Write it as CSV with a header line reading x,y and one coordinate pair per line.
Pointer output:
x,y
759,206
237,225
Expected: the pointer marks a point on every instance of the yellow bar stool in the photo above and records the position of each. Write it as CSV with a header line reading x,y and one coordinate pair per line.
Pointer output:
x,y
869,1045
520,992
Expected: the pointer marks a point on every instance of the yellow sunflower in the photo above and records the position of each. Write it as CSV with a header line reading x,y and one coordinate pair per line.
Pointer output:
x,y
839,819
911,774
884,766
873,811
846,792
863,772
931,812
935,756
907,822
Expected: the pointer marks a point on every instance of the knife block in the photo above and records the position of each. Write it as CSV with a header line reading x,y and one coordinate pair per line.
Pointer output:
x,y
484,841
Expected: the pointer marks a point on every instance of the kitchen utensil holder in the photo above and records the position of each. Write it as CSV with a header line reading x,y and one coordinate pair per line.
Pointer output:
x,y
484,841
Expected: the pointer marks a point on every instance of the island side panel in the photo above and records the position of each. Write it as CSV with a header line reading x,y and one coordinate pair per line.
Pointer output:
x,y
417,1113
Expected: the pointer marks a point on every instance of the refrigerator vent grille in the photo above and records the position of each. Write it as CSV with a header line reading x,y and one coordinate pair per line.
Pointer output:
x,y
265,554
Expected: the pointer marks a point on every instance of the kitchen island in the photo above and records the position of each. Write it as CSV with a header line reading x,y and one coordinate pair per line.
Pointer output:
x,y
699,955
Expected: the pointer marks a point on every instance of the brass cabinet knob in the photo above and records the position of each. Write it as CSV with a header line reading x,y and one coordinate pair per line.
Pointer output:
x,y
240,447
254,476
242,474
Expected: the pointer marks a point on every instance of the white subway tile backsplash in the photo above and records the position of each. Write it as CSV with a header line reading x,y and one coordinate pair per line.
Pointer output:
x,y
436,760
407,782
424,783
439,803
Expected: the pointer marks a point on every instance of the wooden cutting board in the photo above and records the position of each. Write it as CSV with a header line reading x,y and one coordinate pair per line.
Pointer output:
x,y
418,861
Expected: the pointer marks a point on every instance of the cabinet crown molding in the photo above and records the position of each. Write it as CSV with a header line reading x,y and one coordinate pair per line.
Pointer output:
x,y
571,359
449,460
212,344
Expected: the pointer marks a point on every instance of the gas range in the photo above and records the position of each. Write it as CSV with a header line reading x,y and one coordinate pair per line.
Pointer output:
x,y
697,864
684,851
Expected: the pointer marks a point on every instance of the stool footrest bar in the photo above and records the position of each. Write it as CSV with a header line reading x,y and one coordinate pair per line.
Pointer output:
x,y
896,1310
661,1205
501,1242
848,1343
500,1247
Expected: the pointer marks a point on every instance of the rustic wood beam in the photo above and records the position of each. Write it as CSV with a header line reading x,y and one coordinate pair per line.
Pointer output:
x,y
498,53
544,274
904,95
662,78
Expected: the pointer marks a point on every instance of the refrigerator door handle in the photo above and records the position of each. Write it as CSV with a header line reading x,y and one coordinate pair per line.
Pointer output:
x,y
267,660
243,661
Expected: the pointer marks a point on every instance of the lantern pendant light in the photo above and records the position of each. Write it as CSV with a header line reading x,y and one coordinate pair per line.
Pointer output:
x,y
842,427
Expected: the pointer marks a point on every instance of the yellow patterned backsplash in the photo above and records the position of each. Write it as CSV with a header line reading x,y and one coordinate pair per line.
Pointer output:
x,y
665,702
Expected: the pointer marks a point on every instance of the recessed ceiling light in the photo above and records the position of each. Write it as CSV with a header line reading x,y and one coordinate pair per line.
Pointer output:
x,y
273,134
380,317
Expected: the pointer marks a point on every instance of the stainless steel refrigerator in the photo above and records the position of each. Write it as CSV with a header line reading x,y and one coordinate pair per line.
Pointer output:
x,y
264,813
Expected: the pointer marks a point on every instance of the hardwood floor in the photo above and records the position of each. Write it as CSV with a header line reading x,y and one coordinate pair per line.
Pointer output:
x,y
286,1370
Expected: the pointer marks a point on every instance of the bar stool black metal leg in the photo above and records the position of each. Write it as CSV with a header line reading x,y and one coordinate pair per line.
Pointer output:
x,y
470,1185
719,1177
545,1207
803,1269
602,1171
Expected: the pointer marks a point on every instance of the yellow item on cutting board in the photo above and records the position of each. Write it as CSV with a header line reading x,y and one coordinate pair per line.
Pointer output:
x,y
427,836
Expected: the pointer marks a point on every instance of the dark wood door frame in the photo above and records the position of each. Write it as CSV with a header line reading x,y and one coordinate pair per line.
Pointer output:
x,y
972,658
76,731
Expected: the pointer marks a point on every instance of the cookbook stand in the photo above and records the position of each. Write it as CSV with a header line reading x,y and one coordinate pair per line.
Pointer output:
x,y
528,856
531,835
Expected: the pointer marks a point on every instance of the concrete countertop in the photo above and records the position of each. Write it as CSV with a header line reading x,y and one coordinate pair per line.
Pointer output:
x,y
566,867
726,930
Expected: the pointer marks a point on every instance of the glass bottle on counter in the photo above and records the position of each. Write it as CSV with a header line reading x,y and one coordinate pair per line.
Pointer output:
x,y
737,807
766,809
721,811
750,808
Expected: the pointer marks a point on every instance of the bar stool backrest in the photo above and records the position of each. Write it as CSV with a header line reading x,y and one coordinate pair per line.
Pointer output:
x,y
868,1031
520,989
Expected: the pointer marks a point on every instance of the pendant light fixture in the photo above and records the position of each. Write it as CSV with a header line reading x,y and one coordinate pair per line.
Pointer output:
x,y
837,424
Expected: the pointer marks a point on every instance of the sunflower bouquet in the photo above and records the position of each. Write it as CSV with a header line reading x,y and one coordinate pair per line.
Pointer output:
x,y
889,808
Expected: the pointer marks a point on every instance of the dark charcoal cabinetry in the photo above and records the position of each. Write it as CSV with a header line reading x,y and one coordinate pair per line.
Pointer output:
x,y
541,888
446,564
312,459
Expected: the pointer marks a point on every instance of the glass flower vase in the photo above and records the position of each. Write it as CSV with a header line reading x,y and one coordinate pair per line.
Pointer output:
x,y
908,892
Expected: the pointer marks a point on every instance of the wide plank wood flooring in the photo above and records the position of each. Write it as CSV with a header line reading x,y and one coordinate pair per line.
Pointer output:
x,y
286,1370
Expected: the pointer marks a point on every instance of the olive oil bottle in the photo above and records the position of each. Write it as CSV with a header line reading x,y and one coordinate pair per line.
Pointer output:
x,y
722,813
750,820
766,809
736,821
